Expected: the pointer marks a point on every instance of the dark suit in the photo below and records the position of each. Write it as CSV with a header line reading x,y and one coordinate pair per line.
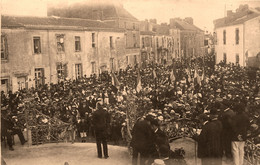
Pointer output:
x,y
161,139
101,123
209,143
225,119
6,128
142,141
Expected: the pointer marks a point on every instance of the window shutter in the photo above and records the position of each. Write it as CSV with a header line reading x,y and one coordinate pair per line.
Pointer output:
x,y
65,70
6,47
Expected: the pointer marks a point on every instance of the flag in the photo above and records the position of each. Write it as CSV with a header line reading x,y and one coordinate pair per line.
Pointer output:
x,y
154,74
199,80
188,74
115,81
139,85
195,73
172,77
203,76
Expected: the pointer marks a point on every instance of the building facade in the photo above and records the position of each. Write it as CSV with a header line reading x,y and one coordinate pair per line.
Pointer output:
x,y
48,50
110,13
237,36
87,39
191,38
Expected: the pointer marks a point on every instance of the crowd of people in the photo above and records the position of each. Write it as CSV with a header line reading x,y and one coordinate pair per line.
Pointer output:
x,y
183,90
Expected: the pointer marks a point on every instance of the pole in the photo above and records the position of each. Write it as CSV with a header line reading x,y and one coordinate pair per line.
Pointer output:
x,y
27,126
195,153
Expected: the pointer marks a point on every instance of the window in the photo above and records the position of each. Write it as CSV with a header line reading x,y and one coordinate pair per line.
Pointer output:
x,y
134,39
225,58
39,77
37,45
126,60
224,37
93,40
237,36
135,60
77,44
237,59
61,71
3,47
133,25
4,85
60,43
93,64
157,42
125,25
142,42
111,42
21,81
78,70
3,81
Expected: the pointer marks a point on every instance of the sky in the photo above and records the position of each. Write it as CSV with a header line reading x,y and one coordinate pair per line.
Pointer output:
x,y
203,12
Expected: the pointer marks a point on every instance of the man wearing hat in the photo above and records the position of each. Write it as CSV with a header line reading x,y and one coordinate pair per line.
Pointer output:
x,y
6,127
240,125
209,140
226,118
101,122
143,140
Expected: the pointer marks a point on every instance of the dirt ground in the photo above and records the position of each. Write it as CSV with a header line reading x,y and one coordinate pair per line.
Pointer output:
x,y
82,154
58,154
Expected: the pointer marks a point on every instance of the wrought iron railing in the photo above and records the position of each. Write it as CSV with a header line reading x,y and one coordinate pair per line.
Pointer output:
x,y
252,153
185,127
44,129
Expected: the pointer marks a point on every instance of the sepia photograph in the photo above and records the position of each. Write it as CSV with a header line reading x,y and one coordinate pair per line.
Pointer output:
x,y
130,82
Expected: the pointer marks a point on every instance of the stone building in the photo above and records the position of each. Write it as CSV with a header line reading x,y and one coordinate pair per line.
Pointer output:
x,y
84,39
163,44
191,38
111,13
43,50
238,37
159,43
147,43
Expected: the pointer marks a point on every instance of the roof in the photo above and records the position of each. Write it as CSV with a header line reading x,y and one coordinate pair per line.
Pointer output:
x,y
182,25
96,11
162,29
23,21
236,18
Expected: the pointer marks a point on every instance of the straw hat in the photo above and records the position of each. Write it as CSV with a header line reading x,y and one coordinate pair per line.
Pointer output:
x,y
158,162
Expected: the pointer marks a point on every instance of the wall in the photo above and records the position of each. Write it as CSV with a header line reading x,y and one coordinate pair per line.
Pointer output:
x,y
22,61
231,48
176,42
252,37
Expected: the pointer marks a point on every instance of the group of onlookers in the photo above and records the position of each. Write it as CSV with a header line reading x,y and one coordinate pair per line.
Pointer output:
x,y
168,93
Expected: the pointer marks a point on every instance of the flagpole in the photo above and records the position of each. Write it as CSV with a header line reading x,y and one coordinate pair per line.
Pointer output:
x,y
195,153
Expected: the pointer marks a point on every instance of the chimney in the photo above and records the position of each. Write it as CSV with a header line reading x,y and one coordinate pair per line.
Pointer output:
x,y
153,21
189,20
229,13
242,8
163,24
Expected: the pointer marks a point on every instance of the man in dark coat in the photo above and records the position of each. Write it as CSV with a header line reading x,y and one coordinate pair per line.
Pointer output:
x,y
240,125
209,141
225,119
9,128
143,140
161,139
101,122
6,129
